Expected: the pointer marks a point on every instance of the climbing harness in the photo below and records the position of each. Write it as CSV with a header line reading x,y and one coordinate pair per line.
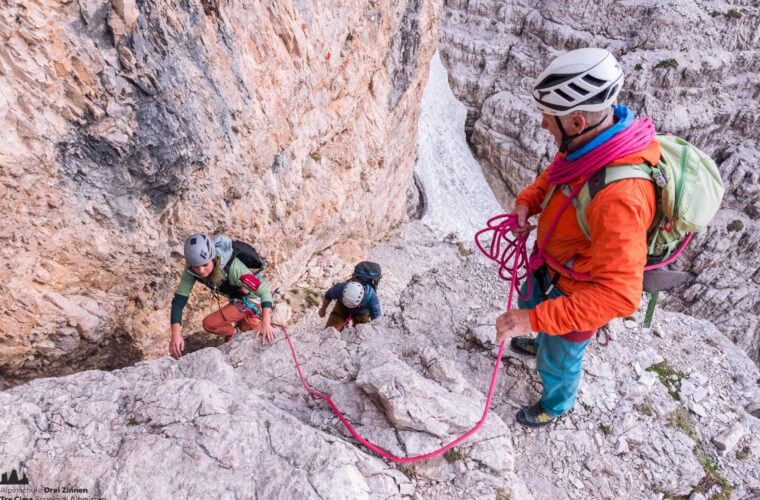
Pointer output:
x,y
344,323
599,336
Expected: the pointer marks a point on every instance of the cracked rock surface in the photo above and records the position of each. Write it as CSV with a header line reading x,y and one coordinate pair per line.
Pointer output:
x,y
655,408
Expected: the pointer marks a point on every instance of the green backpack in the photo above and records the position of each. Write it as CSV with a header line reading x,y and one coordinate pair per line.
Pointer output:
x,y
688,192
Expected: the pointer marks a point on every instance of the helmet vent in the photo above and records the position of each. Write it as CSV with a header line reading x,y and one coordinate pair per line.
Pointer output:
x,y
563,95
579,90
193,241
552,80
597,99
596,82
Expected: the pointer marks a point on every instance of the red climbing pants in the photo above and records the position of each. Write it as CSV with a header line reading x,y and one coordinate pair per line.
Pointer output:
x,y
222,322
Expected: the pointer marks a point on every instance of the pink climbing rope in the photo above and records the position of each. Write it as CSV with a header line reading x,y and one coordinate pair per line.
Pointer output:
x,y
632,139
514,250
344,323
509,221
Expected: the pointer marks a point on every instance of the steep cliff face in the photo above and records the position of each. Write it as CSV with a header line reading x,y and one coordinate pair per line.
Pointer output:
x,y
127,125
691,66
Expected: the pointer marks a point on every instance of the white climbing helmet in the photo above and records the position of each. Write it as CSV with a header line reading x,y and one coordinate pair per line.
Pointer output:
x,y
199,250
582,80
353,294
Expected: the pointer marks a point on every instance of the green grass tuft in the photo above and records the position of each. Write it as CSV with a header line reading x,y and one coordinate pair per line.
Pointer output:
x,y
667,63
501,494
680,419
644,409
462,249
453,455
733,14
670,378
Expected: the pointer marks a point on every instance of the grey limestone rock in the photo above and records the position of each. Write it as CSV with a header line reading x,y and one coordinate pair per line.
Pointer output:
x,y
235,421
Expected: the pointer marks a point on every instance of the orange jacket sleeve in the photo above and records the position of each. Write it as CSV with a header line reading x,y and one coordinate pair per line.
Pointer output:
x,y
618,219
533,195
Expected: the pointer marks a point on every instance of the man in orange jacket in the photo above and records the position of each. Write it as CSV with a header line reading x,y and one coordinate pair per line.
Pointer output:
x,y
576,94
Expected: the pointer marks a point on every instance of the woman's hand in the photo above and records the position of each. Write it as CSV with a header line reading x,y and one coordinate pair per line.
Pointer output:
x,y
267,333
176,345
513,323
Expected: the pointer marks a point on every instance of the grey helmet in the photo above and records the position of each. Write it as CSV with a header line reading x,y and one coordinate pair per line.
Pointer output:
x,y
353,294
199,250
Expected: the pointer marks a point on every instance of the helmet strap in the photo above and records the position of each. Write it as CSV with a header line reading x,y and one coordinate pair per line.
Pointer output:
x,y
567,139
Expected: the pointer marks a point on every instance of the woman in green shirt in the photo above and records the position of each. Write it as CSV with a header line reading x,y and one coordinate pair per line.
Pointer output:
x,y
215,264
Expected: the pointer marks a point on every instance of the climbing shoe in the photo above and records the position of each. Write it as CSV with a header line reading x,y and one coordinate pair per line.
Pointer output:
x,y
233,336
534,416
524,344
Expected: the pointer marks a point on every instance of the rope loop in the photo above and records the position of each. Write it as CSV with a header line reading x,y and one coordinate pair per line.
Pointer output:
x,y
506,248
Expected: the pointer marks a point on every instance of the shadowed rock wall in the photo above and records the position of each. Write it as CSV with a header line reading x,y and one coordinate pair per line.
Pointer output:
x,y
126,125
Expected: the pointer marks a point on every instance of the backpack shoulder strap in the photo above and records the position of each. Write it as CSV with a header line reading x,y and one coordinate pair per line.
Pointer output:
x,y
233,256
601,180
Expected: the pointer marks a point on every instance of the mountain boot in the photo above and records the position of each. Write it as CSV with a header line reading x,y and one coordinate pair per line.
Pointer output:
x,y
534,416
524,344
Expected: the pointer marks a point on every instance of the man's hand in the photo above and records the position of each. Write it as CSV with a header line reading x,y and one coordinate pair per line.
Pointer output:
x,y
513,323
176,345
522,212
323,309
267,333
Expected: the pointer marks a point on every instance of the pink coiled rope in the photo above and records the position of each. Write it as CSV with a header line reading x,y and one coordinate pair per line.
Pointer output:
x,y
506,248
508,222
634,138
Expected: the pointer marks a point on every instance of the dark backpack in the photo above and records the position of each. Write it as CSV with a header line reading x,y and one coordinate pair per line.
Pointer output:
x,y
368,273
246,254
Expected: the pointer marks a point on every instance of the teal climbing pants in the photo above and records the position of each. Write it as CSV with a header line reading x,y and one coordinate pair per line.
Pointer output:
x,y
558,360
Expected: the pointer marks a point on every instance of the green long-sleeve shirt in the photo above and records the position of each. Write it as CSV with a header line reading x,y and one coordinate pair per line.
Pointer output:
x,y
236,270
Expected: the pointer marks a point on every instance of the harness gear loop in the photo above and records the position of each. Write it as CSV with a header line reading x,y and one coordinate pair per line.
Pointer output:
x,y
541,273
606,338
